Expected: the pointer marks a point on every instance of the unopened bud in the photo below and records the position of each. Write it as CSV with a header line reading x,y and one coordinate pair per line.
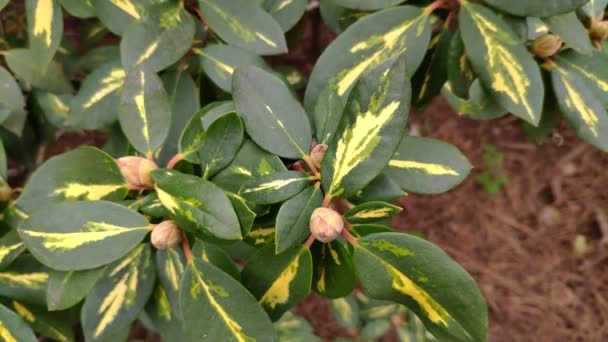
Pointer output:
x,y
165,235
136,171
546,45
598,30
317,154
326,224
5,192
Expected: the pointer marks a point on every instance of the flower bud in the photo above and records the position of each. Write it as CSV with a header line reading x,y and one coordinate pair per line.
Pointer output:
x,y
598,30
317,154
326,224
5,192
136,171
546,45
165,235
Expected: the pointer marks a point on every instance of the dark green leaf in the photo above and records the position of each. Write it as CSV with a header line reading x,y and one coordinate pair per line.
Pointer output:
x,y
526,8
220,144
10,248
273,117
427,166
164,317
118,15
459,72
292,224
279,281
78,8
243,210
216,257
479,105
170,267
432,74
275,187
571,31
367,4
56,108
25,279
360,230
44,28
66,289
286,12
334,274
56,326
381,188
24,65
371,211
11,96
592,69
13,328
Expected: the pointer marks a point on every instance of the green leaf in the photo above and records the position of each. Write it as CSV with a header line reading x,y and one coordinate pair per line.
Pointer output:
x,y
365,45
432,74
97,56
10,248
94,106
459,72
25,67
78,8
571,31
97,177
82,235
184,97
371,127
502,62
381,188
120,295
417,274
525,8
275,187
13,328
427,166
414,330
279,281
163,315
220,144
594,8
11,96
194,131
25,279
56,108
218,308
56,326
219,62
144,111
367,5
371,211
197,205
334,273
250,163
216,257
292,328
360,230
170,267
375,329
592,69
286,12
118,15
581,109
3,163
66,289
479,105
261,235
244,24
346,312
243,210
327,114
44,28
273,117
293,219
160,39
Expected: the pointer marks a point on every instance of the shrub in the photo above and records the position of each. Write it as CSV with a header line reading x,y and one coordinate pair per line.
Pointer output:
x,y
211,223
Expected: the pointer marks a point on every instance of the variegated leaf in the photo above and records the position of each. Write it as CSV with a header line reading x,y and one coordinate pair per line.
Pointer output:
x,y
382,188
275,187
371,211
170,267
272,116
526,8
261,235
56,108
57,326
79,8
163,316
370,130
44,28
592,69
360,230
25,279
334,273
583,111
13,328
120,295
66,289
244,24
346,312
118,15
82,235
97,177
243,210
293,328
144,111
417,274
286,12
10,248
197,205
293,219
367,4
220,144
478,104
217,257
502,62
366,44
217,307
279,281
572,32
428,166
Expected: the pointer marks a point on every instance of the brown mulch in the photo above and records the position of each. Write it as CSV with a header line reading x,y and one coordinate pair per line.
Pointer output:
x,y
519,243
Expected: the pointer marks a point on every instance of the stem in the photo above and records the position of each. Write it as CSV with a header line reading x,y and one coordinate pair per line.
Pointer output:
x,y
326,201
309,241
312,167
348,236
433,6
176,159
186,247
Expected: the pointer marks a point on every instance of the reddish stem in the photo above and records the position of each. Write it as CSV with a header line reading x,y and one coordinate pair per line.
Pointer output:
x,y
176,159
348,236
433,6
326,201
309,241
186,247
312,167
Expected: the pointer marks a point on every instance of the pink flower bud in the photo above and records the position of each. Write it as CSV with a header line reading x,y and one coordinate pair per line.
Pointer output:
x,y
136,171
317,154
326,224
165,235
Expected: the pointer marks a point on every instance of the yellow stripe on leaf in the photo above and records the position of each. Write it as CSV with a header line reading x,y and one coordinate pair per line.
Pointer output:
x,y
6,250
24,312
373,213
5,334
148,52
35,280
127,7
91,192
278,293
43,17
577,104
141,108
110,83
272,185
602,84
428,168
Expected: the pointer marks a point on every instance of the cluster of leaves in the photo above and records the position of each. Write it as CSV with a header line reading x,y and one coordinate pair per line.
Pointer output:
x,y
183,84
